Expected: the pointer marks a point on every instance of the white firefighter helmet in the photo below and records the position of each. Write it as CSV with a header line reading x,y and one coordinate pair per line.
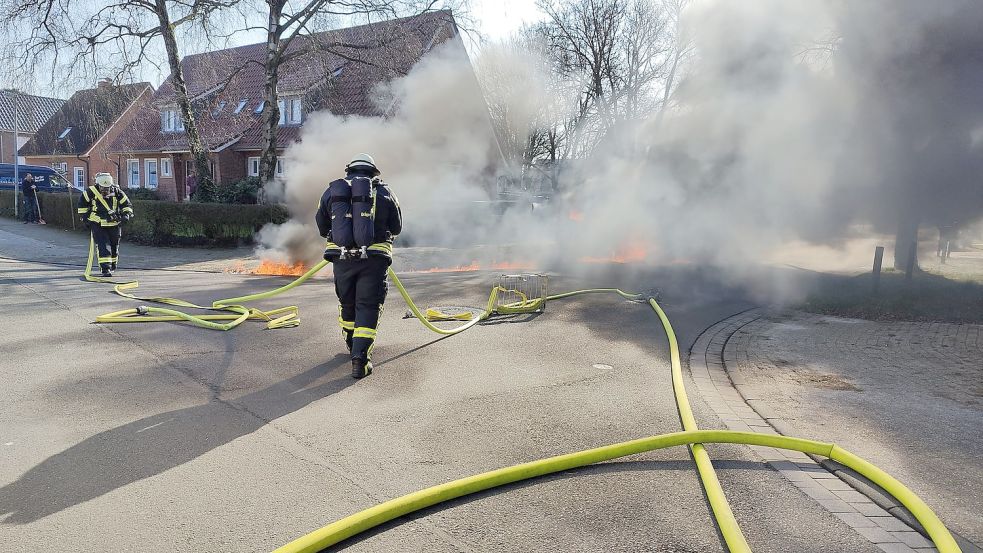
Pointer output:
x,y
363,160
104,180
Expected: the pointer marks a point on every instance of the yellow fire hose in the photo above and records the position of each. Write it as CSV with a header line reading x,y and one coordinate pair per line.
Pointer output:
x,y
384,512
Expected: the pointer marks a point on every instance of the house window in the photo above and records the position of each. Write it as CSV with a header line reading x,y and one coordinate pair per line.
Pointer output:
x,y
165,167
64,133
290,111
133,173
151,173
61,168
79,177
242,104
279,167
252,166
259,108
171,120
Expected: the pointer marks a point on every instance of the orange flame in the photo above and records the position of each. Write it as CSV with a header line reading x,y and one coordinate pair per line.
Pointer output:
x,y
267,267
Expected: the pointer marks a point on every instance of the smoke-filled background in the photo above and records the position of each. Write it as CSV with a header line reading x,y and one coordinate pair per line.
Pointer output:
x,y
717,133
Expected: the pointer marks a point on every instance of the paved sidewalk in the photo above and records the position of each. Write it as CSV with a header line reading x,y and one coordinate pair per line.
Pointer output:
x,y
906,396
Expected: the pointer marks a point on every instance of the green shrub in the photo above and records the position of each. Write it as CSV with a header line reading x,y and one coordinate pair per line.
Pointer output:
x,y
168,223
143,194
245,191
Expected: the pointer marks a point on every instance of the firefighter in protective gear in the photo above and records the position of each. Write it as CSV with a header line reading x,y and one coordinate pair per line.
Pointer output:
x,y
360,217
103,208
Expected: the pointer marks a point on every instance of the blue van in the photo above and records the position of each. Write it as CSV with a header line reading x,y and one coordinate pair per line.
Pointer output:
x,y
45,178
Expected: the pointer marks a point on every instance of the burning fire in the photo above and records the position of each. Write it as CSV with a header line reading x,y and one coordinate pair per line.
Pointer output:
x,y
267,267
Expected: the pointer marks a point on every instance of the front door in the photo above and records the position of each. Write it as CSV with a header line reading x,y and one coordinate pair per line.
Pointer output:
x,y
80,178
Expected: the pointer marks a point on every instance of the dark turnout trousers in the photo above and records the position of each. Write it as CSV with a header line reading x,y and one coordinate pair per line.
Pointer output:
x,y
361,287
107,244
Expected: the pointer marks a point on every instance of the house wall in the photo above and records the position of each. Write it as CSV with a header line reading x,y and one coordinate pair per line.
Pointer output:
x,y
7,144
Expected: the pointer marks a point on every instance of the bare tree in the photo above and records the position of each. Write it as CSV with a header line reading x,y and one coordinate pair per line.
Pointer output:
x,y
292,33
113,37
616,52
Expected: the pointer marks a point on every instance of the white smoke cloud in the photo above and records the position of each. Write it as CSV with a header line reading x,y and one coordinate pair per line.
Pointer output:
x,y
776,139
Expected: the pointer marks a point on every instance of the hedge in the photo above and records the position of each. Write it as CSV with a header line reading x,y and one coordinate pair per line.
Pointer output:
x,y
162,223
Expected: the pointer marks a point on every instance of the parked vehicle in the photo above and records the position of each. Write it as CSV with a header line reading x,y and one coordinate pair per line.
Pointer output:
x,y
45,178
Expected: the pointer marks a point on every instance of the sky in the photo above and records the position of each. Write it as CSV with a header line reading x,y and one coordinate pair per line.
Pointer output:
x,y
499,18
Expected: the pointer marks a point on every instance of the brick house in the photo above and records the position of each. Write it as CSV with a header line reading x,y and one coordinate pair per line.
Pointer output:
x,y
76,138
226,89
32,113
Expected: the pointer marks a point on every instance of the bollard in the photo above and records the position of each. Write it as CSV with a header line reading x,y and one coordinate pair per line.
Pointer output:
x,y
876,274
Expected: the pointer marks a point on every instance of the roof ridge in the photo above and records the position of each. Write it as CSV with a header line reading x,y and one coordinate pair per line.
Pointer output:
x,y
398,20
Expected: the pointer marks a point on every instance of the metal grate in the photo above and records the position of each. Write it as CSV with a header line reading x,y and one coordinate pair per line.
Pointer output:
x,y
522,293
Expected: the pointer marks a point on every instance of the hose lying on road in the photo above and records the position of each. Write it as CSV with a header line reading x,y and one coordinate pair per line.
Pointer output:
x,y
394,508
733,537
372,517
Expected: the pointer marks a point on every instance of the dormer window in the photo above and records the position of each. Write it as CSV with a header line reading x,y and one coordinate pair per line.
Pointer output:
x,y
291,111
242,104
64,133
171,120
259,108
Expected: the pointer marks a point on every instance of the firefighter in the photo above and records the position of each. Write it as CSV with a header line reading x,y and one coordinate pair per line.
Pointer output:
x,y
103,208
360,217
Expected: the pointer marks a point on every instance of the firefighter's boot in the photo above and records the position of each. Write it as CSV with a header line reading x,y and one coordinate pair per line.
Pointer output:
x,y
107,270
361,368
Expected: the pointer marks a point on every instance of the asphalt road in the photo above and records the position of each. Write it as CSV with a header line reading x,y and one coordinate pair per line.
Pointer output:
x,y
172,438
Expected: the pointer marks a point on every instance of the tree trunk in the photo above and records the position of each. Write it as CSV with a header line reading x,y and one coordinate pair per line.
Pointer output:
x,y
271,111
206,188
906,236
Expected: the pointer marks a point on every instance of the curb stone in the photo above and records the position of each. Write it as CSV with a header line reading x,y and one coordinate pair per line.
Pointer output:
x,y
843,493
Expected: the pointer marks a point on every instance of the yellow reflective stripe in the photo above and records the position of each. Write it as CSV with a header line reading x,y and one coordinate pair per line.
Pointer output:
x,y
83,210
103,202
127,209
382,247
331,245
106,259
365,332
346,325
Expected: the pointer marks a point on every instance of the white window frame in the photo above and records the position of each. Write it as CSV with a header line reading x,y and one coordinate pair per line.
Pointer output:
x,y
178,121
171,120
279,167
78,177
165,167
291,111
296,111
152,175
130,164
252,166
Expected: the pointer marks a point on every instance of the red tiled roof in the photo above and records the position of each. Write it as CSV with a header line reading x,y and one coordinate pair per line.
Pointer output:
x,y
83,119
334,70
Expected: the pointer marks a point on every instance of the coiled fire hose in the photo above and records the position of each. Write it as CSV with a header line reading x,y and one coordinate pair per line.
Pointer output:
x,y
693,437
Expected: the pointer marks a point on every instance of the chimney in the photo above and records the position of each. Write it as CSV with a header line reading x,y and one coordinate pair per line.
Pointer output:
x,y
105,83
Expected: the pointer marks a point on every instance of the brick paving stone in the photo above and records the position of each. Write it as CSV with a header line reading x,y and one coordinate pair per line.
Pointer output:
x,y
877,535
895,548
912,539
